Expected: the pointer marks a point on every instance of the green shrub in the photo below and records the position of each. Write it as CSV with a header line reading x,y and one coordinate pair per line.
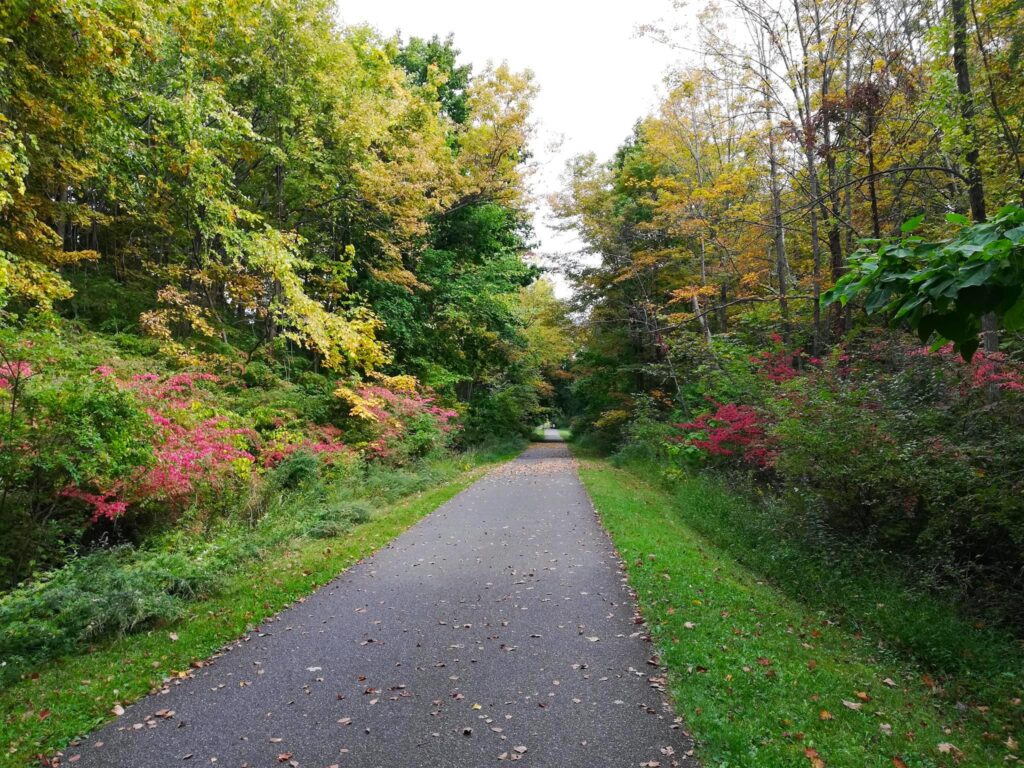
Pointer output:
x,y
259,375
334,520
61,432
301,468
110,592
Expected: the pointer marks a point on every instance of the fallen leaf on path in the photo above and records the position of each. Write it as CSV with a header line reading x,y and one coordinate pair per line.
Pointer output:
x,y
118,710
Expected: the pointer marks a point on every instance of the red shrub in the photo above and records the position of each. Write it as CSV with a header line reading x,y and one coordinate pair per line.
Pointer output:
x,y
732,431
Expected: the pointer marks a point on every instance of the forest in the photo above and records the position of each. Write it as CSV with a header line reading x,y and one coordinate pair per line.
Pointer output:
x,y
805,268
239,246
265,279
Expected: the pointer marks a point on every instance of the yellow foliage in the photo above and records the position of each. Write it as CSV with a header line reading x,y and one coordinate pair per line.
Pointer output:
x,y
612,418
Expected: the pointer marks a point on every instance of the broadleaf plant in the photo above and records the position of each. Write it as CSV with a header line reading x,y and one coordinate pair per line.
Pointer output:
x,y
943,288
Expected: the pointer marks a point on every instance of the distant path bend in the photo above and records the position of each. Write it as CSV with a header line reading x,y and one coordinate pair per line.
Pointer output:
x,y
500,621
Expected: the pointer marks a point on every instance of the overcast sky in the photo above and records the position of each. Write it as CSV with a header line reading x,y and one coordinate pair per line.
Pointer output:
x,y
596,76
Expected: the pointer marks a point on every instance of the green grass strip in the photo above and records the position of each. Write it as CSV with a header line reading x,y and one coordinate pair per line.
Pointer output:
x,y
74,695
762,680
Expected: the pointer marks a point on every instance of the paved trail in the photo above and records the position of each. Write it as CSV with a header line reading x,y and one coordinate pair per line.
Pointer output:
x,y
499,621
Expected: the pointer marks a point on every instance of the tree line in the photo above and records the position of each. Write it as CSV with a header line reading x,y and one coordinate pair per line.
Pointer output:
x,y
805,268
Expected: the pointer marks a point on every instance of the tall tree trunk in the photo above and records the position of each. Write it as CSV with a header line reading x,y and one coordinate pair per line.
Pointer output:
x,y
778,232
975,185
975,182
702,319
809,145
876,226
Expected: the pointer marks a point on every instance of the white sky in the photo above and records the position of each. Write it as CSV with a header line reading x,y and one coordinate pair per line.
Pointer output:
x,y
596,76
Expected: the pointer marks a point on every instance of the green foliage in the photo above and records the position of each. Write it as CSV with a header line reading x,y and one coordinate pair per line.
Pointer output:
x,y
252,194
944,288
299,469
60,432
107,593
434,63
755,624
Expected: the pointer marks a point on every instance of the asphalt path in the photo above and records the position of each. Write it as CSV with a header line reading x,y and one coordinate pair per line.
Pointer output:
x,y
498,629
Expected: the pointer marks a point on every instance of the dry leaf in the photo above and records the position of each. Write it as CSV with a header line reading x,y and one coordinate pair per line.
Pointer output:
x,y
812,754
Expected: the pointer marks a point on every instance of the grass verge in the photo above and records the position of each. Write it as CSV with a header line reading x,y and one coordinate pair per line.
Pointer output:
x,y
71,696
767,680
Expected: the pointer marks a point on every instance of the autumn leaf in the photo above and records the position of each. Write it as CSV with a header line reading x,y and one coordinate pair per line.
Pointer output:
x,y
812,754
950,749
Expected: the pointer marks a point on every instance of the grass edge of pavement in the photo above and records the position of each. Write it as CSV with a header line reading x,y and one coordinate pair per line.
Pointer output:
x,y
761,680
74,695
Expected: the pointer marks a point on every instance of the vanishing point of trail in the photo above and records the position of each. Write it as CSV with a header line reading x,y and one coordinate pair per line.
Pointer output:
x,y
498,629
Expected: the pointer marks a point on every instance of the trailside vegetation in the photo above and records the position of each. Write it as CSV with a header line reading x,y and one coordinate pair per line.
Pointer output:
x,y
800,292
255,269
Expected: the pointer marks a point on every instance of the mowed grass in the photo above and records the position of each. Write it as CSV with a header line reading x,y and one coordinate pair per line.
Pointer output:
x,y
69,697
764,679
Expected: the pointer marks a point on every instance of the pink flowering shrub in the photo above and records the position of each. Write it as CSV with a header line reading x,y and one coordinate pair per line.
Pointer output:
x,y
398,420
779,364
731,431
986,372
104,505
13,372
323,441
196,452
